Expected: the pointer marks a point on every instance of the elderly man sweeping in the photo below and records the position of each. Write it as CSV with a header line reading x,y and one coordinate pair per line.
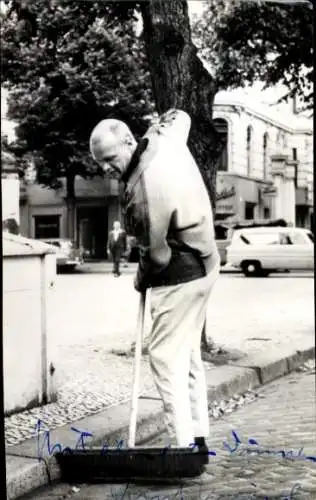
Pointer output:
x,y
167,209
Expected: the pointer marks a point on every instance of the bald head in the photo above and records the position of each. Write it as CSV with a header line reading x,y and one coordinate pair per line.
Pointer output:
x,y
112,145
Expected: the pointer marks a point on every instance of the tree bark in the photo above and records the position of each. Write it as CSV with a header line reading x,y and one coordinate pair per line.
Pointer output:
x,y
71,204
180,81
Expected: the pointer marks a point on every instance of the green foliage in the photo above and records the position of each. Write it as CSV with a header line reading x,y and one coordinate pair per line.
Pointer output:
x,y
244,41
67,64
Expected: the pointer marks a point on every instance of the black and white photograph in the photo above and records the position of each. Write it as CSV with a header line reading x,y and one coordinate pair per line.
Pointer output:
x,y
157,195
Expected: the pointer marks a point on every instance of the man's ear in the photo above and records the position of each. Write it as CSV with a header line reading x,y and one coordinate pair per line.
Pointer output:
x,y
129,140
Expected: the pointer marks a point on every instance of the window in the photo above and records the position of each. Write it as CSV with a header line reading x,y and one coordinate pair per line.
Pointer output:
x,y
263,238
311,236
265,155
257,238
266,213
284,140
249,210
46,226
249,149
278,138
221,127
285,239
281,139
294,153
298,239
294,156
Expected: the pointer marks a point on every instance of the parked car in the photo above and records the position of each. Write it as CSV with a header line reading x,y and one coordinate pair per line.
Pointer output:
x,y
68,256
259,251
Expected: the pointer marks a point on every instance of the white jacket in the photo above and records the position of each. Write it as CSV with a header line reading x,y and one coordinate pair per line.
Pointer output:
x,y
167,208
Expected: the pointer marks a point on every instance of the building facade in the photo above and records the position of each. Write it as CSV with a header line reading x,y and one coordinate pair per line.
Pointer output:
x,y
266,168
44,213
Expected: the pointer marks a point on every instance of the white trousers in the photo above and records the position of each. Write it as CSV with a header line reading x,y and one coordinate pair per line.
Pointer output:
x,y
178,315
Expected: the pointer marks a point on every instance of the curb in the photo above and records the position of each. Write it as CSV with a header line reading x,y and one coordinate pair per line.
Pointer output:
x,y
26,473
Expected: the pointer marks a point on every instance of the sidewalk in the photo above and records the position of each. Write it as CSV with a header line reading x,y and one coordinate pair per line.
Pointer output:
x,y
278,416
26,473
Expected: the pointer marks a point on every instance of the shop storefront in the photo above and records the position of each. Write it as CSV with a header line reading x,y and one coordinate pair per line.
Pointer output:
x,y
241,198
226,201
44,214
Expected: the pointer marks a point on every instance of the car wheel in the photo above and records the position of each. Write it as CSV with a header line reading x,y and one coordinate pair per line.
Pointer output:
x,y
251,268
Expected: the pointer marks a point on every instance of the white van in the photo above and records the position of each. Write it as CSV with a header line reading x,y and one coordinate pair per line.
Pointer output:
x,y
260,250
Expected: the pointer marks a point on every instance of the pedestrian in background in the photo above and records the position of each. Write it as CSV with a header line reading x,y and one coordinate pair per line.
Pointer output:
x,y
167,208
117,246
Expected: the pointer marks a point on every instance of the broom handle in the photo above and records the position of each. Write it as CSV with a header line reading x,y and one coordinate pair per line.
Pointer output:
x,y
137,361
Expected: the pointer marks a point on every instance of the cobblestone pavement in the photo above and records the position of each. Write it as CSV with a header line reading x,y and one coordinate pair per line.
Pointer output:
x,y
96,313
281,418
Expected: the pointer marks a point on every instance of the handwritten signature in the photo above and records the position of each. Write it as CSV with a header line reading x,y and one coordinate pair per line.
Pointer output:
x,y
254,448
290,454
180,495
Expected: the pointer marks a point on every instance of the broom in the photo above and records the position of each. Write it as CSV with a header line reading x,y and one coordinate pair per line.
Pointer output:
x,y
133,463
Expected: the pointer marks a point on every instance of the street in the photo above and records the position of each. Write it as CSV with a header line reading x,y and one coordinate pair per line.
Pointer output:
x,y
95,313
282,418
102,309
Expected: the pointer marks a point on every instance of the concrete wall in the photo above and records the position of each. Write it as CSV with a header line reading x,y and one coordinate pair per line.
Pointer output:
x,y
28,347
22,333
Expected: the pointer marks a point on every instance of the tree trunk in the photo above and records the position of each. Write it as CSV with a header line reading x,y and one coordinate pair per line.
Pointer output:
x,y
71,205
180,81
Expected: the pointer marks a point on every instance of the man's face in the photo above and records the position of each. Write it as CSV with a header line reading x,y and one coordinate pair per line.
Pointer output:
x,y
113,155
